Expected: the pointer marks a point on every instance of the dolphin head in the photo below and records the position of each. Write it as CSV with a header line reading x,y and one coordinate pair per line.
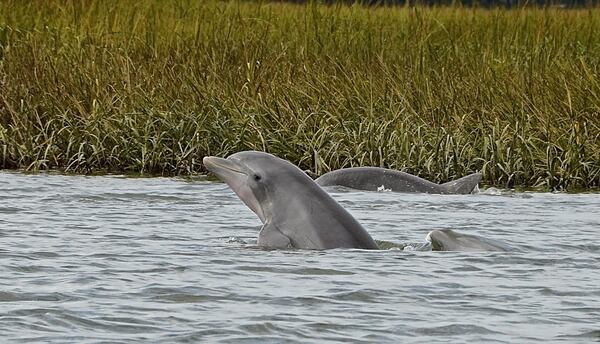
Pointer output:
x,y
294,210
253,176
449,240
437,238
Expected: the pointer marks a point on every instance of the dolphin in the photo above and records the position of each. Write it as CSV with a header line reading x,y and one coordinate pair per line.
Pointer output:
x,y
377,179
449,240
294,210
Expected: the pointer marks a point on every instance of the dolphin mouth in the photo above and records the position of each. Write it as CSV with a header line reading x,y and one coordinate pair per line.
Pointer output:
x,y
236,176
213,164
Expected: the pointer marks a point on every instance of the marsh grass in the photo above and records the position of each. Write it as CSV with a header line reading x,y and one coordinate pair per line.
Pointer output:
x,y
153,86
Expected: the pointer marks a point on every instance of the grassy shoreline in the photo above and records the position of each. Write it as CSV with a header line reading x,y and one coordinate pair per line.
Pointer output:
x,y
152,87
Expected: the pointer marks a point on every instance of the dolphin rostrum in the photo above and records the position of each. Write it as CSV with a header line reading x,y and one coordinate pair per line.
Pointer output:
x,y
294,210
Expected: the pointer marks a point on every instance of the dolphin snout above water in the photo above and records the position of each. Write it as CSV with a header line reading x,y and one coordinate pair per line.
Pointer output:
x,y
294,210
239,178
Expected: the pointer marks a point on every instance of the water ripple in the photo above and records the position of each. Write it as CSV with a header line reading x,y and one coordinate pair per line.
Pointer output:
x,y
124,260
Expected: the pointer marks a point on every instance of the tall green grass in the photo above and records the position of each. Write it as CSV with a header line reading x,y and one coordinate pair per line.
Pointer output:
x,y
153,86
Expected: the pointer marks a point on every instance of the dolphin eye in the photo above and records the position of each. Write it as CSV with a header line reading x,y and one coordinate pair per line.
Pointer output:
x,y
257,177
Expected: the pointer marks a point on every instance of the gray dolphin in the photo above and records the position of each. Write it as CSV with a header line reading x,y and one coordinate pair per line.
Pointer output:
x,y
449,240
294,210
376,179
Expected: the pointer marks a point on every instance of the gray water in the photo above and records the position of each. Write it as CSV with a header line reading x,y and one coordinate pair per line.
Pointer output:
x,y
116,259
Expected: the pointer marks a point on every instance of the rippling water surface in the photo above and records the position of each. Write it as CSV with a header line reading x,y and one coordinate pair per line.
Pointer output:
x,y
88,259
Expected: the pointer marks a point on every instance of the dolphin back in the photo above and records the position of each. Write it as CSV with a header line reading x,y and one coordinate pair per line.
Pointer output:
x,y
377,179
383,179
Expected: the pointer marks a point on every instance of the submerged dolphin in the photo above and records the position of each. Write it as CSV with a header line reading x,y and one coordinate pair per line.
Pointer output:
x,y
294,210
449,240
376,179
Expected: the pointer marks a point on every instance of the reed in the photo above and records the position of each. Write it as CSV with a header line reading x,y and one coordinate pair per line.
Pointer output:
x,y
153,86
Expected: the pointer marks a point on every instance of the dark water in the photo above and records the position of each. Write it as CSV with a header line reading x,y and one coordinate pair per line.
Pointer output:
x,y
89,259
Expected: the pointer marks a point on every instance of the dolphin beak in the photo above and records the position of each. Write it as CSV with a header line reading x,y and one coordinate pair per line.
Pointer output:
x,y
233,173
433,238
221,166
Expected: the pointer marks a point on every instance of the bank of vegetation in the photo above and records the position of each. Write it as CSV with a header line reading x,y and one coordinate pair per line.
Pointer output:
x,y
151,87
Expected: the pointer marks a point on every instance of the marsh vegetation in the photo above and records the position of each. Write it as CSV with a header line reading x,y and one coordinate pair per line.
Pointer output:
x,y
152,87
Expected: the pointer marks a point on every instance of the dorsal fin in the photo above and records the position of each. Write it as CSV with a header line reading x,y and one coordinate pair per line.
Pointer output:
x,y
464,185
